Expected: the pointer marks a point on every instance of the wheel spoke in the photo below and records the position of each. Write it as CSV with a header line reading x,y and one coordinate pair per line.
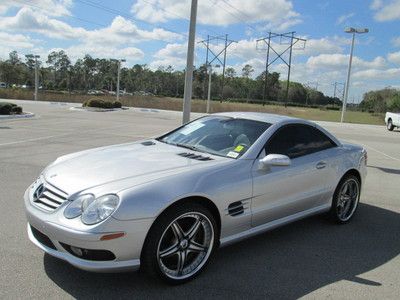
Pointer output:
x,y
176,228
170,251
181,261
196,247
194,229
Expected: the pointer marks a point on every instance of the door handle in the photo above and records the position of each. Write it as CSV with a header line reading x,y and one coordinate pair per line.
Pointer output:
x,y
321,165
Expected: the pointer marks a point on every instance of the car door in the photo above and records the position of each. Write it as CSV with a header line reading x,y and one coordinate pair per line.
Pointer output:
x,y
282,191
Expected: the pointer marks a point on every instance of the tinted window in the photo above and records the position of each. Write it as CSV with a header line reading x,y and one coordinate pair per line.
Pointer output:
x,y
298,140
219,135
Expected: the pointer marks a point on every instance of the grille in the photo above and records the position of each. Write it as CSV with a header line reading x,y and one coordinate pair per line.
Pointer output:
x,y
48,197
42,238
195,156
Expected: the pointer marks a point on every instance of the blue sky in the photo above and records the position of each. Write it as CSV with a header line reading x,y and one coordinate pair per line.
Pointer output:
x,y
154,32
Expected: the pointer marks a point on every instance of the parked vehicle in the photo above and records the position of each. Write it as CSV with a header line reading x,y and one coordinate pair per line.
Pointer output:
x,y
166,204
392,120
3,85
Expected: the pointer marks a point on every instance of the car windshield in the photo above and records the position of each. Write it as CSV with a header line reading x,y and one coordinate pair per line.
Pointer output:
x,y
219,135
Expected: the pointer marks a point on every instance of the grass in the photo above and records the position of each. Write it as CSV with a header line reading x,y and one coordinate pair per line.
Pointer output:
x,y
317,114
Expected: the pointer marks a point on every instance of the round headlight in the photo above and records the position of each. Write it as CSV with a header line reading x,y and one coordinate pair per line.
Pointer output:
x,y
76,207
100,209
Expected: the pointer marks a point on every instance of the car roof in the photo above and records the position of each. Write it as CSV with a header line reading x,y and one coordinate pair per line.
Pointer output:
x,y
257,116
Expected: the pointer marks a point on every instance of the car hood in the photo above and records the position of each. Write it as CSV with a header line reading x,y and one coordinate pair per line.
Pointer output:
x,y
134,162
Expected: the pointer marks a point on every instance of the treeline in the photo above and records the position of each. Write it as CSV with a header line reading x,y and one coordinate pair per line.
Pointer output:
x,y
380,101
57,72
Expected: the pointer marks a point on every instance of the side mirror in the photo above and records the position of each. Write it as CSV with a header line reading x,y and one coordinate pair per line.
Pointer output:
x,y
275,160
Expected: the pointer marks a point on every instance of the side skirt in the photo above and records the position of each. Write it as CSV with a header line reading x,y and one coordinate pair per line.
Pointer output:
x,y
271,225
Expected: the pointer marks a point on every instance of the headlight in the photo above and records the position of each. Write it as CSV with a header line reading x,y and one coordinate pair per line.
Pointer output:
x,y
76,207
100,209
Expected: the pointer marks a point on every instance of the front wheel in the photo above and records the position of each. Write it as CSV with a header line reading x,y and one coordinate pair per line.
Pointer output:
x,y
180,243
390,126
345,199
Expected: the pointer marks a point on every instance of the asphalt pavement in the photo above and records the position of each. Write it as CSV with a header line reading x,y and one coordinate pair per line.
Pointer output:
x,y
312,258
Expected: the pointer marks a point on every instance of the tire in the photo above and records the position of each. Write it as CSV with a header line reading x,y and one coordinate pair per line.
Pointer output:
x,y
345,200
390,126
175,249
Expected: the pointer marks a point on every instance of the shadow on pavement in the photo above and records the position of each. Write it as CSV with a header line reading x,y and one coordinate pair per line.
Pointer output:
x,y
386,170
288,262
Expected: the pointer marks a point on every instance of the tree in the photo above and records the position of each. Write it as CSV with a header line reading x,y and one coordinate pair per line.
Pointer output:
x,y
247,71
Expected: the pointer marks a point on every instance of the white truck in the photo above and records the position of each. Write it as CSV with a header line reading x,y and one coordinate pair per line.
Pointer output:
x,y
392,120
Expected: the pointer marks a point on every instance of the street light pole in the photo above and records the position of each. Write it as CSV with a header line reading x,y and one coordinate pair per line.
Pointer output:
x,y
353,31
36,77
187,95
118,76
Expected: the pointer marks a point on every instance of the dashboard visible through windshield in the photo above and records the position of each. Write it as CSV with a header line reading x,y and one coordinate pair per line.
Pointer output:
x,y
218,135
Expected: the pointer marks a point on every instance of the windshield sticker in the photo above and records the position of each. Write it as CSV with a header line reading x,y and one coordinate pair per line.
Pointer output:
x,y
232,154
239,148
191,127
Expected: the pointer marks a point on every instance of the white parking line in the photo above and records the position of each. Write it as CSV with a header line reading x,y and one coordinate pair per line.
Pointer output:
x,y
378,151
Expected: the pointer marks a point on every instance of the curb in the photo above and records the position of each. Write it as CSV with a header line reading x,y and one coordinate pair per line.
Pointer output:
x,y
13,117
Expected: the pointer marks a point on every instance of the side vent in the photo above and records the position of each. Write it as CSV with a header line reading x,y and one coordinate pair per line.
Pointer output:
x,y
237,208
195,156
148,143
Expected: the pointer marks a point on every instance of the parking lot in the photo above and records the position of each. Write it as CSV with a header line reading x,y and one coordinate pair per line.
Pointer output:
x,y
312,258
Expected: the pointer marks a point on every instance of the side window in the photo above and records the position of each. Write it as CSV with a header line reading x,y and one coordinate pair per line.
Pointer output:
x,y
298,140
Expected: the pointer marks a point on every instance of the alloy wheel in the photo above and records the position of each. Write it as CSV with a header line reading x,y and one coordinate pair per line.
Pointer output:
x,y
348,199
185,245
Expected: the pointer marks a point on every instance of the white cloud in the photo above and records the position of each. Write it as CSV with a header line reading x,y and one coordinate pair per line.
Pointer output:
x,y
376,74
394,57
277,13
48,7
344,18
171,55
11,42
340,61
386,11
120,30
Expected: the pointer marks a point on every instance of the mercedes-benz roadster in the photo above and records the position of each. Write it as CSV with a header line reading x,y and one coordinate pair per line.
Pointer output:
x,y
166,204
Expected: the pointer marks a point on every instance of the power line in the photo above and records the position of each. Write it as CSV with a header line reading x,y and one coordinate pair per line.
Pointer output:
x,y
121,13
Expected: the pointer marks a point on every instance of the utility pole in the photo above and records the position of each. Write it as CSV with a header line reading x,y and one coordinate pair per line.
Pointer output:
x,y
209,87
279,55
215,56
36,77
118,75
187,95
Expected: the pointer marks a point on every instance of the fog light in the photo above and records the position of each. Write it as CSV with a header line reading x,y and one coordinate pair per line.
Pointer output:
x,y
76,251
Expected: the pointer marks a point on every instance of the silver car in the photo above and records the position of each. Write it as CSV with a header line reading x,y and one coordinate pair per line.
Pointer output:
x,y
166,204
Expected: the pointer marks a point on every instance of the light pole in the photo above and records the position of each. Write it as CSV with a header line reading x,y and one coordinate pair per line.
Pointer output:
x,y
187,94
209,87
35,95
352,31
119,74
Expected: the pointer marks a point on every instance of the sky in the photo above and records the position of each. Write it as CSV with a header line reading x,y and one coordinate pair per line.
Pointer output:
x,y
155,32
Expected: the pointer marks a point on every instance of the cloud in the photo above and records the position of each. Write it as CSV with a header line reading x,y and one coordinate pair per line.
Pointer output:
x,y
171,55
386,11
394,57
340,61
344,18
376,74
11,42
48,7
120,30
276,13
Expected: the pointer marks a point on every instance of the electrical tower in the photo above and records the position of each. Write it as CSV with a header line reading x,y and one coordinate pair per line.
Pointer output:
x,y
265,44
212,56
339,89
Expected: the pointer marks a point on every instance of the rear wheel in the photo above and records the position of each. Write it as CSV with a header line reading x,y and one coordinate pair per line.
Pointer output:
x,y
180,243
345,199
390,126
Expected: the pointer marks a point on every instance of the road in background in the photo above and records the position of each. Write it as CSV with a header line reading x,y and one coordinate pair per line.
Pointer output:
x,y
312,258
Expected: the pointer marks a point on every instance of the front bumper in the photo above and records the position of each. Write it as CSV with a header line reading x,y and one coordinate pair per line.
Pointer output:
x,y
60,231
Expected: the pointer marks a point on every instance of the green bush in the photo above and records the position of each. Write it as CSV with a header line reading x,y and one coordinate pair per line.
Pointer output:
x,y
7,108
101,103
